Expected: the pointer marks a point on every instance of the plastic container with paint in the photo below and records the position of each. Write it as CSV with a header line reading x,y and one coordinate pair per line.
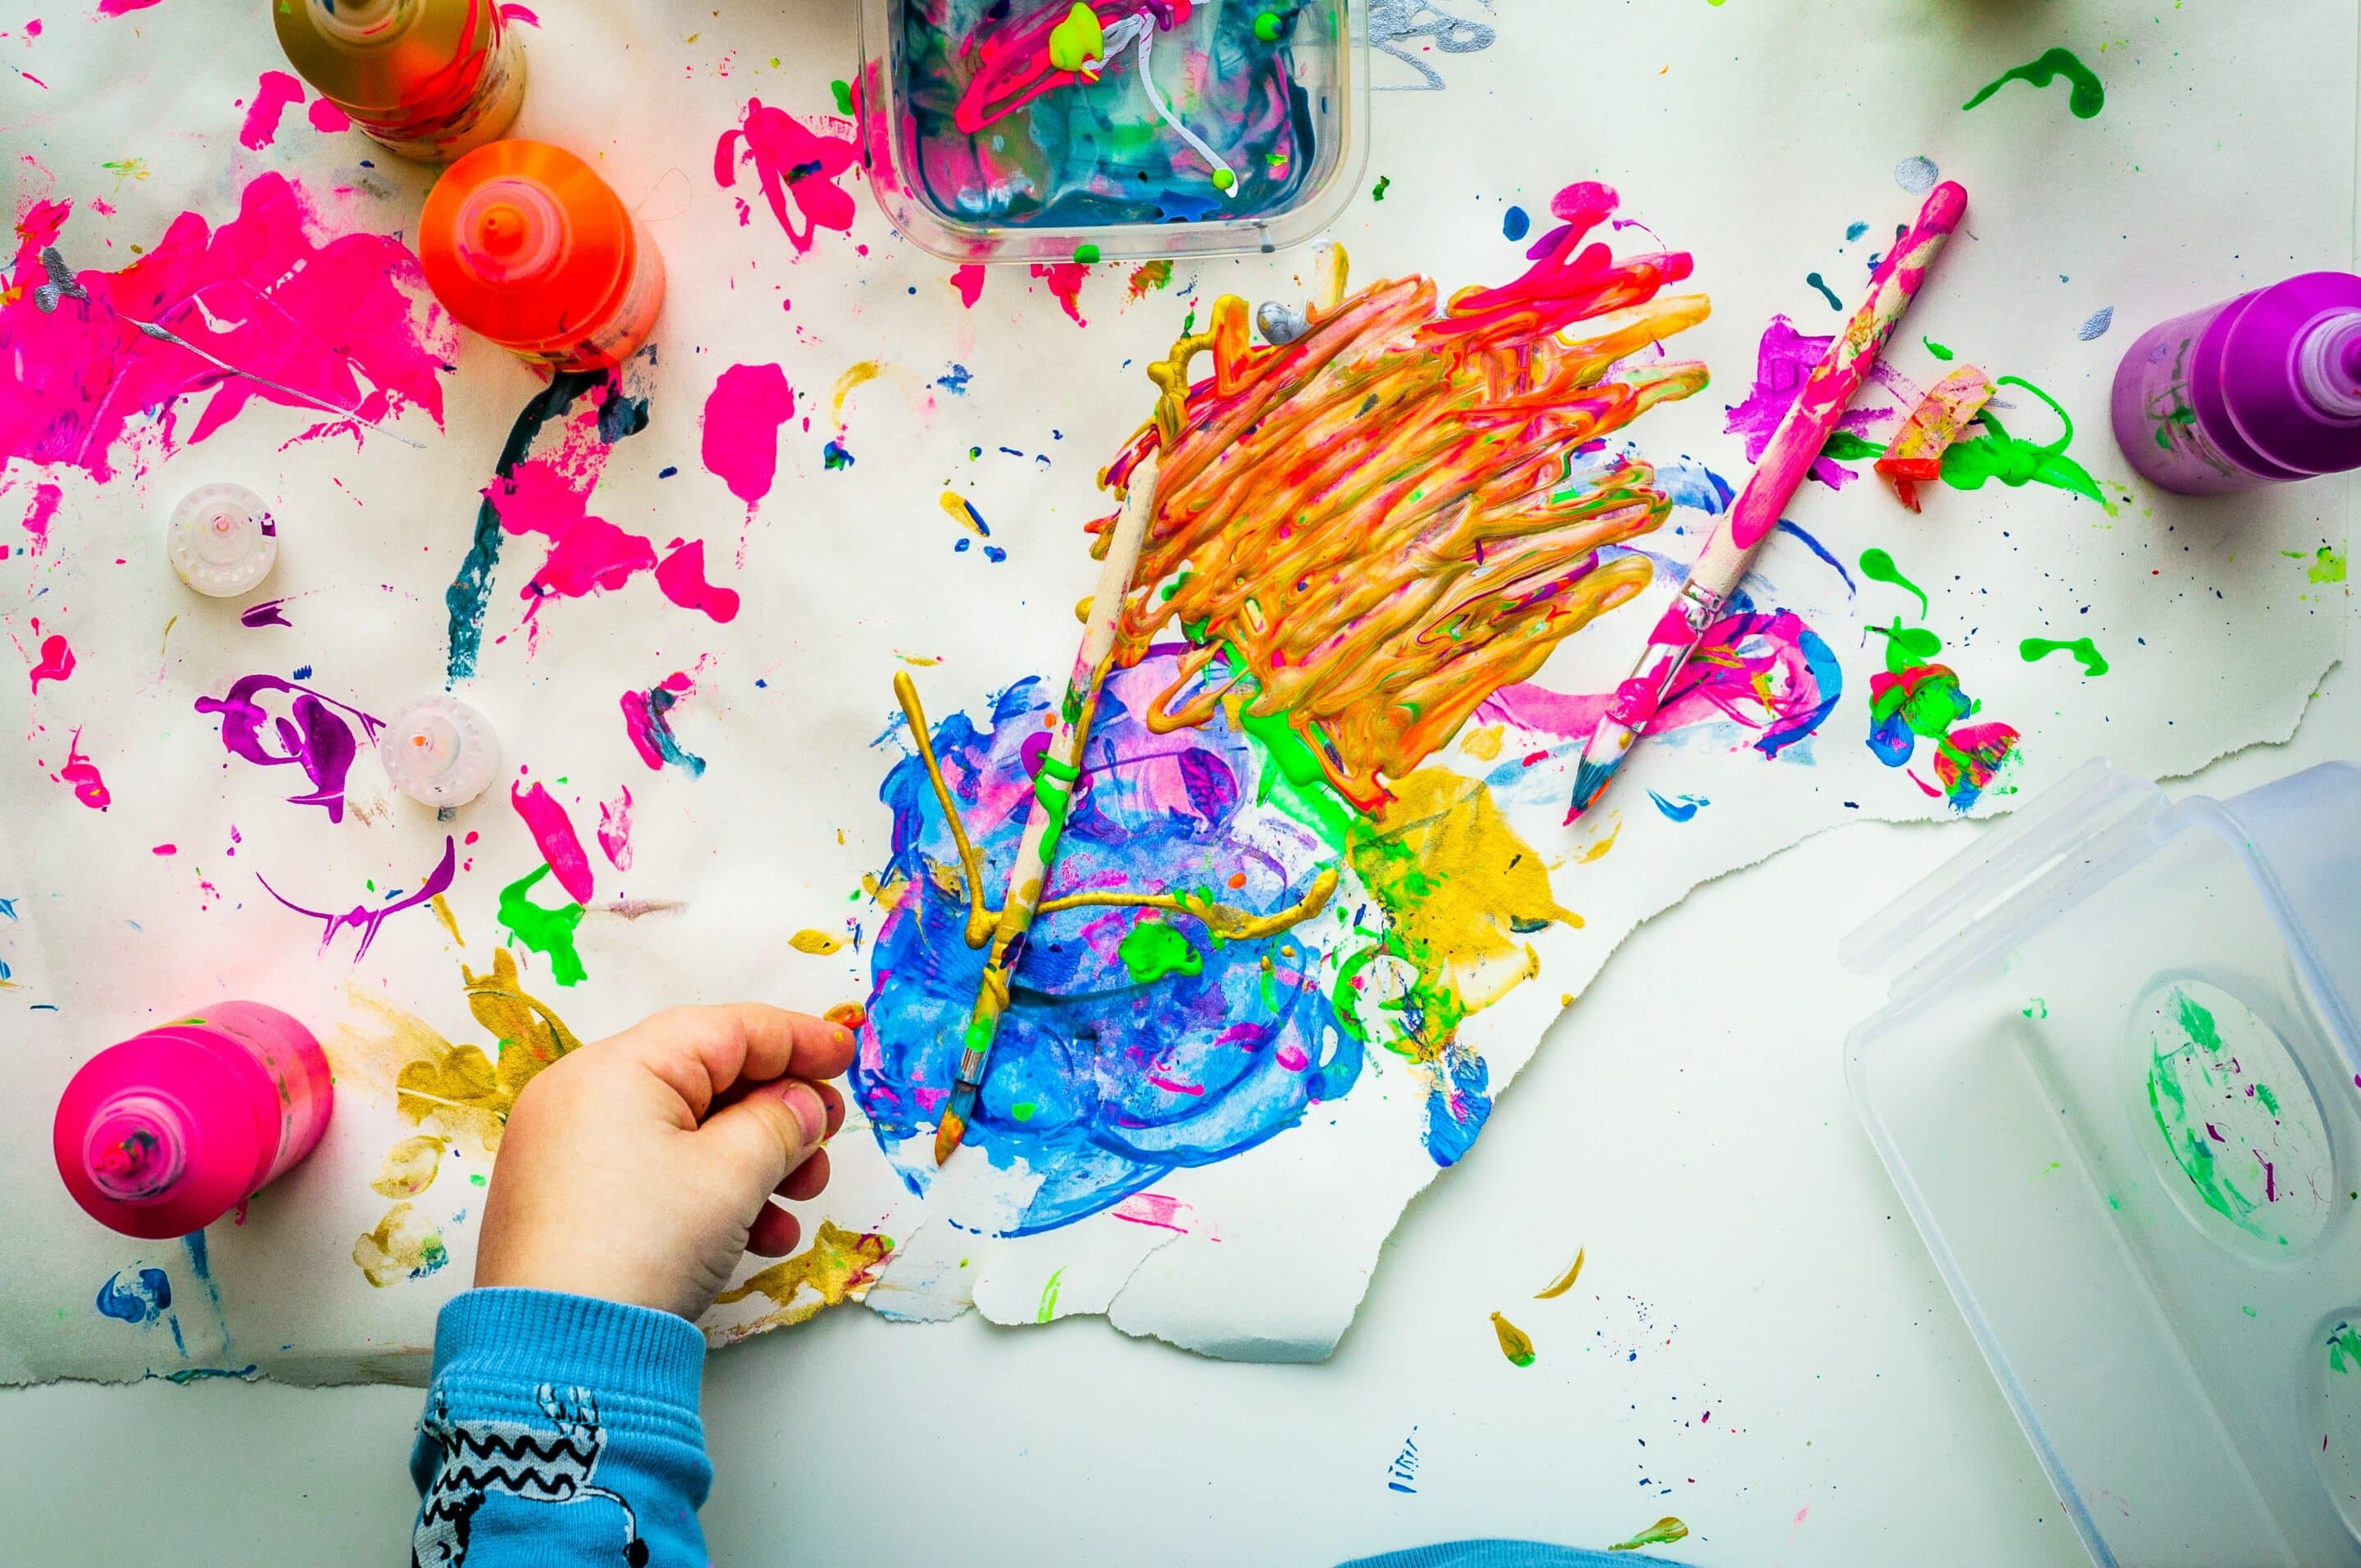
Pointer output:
x,y
222,539
168,1131
523,243
2263,390
1241,125
2117,1084
428,79
439,751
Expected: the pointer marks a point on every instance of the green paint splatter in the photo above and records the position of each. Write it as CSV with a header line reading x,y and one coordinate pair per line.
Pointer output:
x,y
2088,97
1377,191
2328,567
541,931
1908,647
1878,567
844,90
1086,253
1844,446
1053,786
2037,1009
1049,1299
1077,41
2192,1149
1153,951
1514,1343
1938,350
1224,178
2015,461
1664,1532
2033,650
1024,1111
2344,1349
1267,26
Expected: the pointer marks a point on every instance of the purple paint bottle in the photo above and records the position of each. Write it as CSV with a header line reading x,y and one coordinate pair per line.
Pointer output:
x,y
2260,390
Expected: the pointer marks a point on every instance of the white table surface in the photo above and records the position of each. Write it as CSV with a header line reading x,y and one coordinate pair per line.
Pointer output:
x,y
1759,1343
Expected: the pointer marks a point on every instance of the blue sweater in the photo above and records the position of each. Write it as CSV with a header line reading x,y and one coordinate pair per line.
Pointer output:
x,y
562,1432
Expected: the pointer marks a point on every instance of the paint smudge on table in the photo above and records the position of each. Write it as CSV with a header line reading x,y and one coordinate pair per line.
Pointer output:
x,y
404,1246
1403,1475
57,661
1784,360
743,414
410,1166
1564,1282
1405,29
342,317
552,834
540,928
647,719
615,830
1681,809
2086,652
272,94
80,774
1916,699
136,1295
1664,1532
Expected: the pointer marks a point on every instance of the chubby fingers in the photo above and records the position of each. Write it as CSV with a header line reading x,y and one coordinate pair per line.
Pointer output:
x,y
702,1052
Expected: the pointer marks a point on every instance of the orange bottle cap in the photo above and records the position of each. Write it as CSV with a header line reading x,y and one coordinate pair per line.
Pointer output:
x,y
524,243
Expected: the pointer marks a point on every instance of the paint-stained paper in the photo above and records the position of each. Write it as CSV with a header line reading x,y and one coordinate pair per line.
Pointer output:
x,y
686,598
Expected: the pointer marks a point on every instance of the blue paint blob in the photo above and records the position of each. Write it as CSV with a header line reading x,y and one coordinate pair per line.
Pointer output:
x,y
955,381
1100,1083
1517,224
1681,810
834,456
2096,327
1817,281
141,1299
1458,1111
994,554
1855,232
1916,175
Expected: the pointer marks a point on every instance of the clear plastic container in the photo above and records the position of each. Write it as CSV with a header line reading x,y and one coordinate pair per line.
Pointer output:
x,y
2119,1085
1246,131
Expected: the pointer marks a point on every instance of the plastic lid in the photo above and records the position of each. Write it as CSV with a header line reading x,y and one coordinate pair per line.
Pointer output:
x,y
524,243
439,751
222,539
156,1138
362,22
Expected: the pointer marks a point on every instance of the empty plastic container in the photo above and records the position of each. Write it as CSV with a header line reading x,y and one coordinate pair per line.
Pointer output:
x,y
1058,131
2119,1085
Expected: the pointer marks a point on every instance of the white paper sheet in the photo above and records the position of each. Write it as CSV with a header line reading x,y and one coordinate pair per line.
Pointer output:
x,y
1753,138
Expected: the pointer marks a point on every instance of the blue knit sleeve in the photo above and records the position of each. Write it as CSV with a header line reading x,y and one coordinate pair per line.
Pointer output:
x,y
560,1431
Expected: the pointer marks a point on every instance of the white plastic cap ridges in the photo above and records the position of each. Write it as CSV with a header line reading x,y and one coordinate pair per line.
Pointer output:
x,y
439,751
222,539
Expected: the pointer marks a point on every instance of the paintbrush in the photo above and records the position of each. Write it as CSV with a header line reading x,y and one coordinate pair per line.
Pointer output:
x,y
1053,789
1794,446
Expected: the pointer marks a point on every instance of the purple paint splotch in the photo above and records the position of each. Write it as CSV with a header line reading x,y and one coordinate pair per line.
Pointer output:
x,y
315,735
1782,363
368,921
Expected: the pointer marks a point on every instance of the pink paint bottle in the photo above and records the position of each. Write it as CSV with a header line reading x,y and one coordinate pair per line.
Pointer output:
x,y
2263,390
168,1131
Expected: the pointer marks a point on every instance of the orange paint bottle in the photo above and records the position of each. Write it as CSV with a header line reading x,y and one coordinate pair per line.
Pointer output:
x,y
523,243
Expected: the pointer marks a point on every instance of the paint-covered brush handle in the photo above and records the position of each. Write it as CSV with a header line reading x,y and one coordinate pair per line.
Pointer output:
x,y
1828,392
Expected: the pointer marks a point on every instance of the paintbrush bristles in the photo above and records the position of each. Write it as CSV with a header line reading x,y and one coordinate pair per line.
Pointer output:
x,y
948,1135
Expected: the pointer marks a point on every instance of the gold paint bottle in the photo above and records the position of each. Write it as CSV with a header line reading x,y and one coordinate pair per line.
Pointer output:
x,y
429,79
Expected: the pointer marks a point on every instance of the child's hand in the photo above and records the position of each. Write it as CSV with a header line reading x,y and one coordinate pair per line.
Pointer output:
x,y
641,1169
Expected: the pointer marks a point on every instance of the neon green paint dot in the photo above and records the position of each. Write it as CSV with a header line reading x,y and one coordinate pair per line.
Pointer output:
x,y
844,90
1224,178
1086,253
1266,26
1023,1110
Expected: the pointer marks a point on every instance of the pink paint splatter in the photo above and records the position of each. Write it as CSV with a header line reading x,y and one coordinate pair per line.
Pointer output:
x,y
789,159
327,116
554,831
165,850
647,721
1783,362
969,281
742,417
1155,1208
271,95
84,775
615,830
39,516
521,13
681,576
1065,280
57,661
342,318
122,7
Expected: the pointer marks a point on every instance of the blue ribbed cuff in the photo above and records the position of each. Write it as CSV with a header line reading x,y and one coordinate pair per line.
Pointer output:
x,y
495,1343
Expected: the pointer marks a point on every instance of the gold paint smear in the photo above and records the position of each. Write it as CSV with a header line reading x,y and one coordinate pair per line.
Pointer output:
x,y
402,1246
1564,1281
839,1266
1598,849
450,922
1514,1343
410,1166
1483,742
819,944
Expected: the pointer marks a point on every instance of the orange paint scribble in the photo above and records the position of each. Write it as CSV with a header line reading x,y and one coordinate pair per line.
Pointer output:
x,y
1373,527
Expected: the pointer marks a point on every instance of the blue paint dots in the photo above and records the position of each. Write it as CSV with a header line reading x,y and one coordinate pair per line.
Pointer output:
x,y
2096,327
667,471
1517,224
1855,232
303,672
955,380
1916,175
141,1299
1817,281
1681,809
994,554
960,546
834,456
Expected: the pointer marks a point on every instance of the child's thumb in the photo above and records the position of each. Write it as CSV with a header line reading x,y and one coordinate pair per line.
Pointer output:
x,y
764,1136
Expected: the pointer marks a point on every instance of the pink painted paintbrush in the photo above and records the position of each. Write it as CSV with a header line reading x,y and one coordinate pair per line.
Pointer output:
x,y
1731,548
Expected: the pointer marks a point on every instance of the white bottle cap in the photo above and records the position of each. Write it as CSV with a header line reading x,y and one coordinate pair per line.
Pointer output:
x,y
222,539
439,751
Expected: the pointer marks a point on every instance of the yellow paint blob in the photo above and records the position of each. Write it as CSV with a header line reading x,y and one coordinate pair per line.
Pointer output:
x,y
410,1166
819,944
